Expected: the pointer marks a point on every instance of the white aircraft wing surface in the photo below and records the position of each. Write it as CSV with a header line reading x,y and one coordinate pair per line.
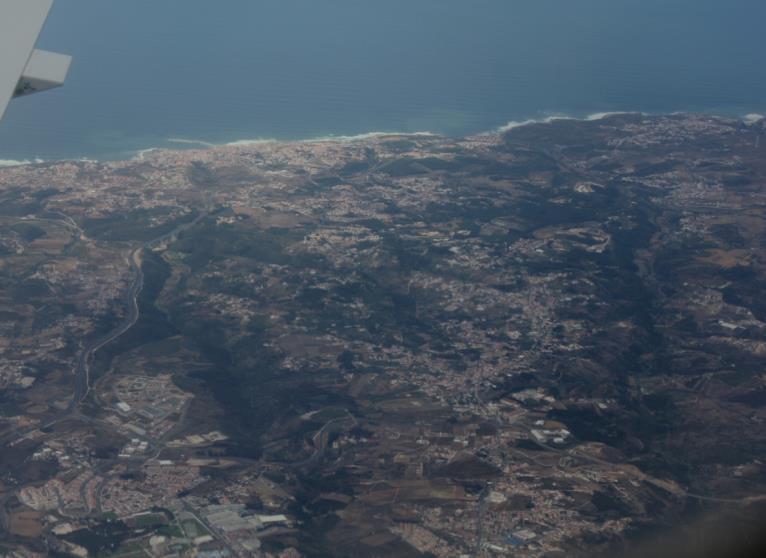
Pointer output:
x,y
23,69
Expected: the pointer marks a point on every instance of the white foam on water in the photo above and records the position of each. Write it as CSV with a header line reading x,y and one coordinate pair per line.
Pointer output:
x,y
372,135
142,153
513,124
19,163
601,115
548,119
246,142
186,141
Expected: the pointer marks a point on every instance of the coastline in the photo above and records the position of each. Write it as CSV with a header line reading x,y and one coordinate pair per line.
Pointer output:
x,y
175,143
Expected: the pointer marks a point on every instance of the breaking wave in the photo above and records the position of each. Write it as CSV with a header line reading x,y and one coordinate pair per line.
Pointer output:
x,y
548,119
513,124
369,135
338,138
19,163
142,153
190,142
246,142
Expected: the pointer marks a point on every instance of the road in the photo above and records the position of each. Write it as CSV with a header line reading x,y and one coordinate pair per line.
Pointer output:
x,y
82,369
322,437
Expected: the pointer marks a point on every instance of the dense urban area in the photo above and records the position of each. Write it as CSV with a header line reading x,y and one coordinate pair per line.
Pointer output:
x,y
545,342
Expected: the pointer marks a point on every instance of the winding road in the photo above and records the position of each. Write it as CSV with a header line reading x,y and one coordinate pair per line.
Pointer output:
x,y
82,370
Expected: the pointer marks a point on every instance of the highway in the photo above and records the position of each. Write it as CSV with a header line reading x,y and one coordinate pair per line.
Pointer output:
x,y
322,438
82,369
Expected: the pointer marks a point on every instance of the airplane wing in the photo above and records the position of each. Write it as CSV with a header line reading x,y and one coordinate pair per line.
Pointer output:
x,y
23,69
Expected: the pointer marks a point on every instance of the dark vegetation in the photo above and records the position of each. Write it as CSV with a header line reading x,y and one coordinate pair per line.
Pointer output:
x,y
136,226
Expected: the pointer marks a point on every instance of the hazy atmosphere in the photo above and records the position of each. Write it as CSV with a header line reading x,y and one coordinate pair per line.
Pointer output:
x,y
148,71
392,279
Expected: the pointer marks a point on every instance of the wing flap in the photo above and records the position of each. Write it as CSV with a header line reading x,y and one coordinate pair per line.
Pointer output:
x,y
45,70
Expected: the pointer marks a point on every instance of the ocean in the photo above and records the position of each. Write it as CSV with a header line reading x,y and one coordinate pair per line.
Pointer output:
x,y
180,73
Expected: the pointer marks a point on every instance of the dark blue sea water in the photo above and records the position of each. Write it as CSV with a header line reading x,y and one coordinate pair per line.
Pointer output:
x,y
147,71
